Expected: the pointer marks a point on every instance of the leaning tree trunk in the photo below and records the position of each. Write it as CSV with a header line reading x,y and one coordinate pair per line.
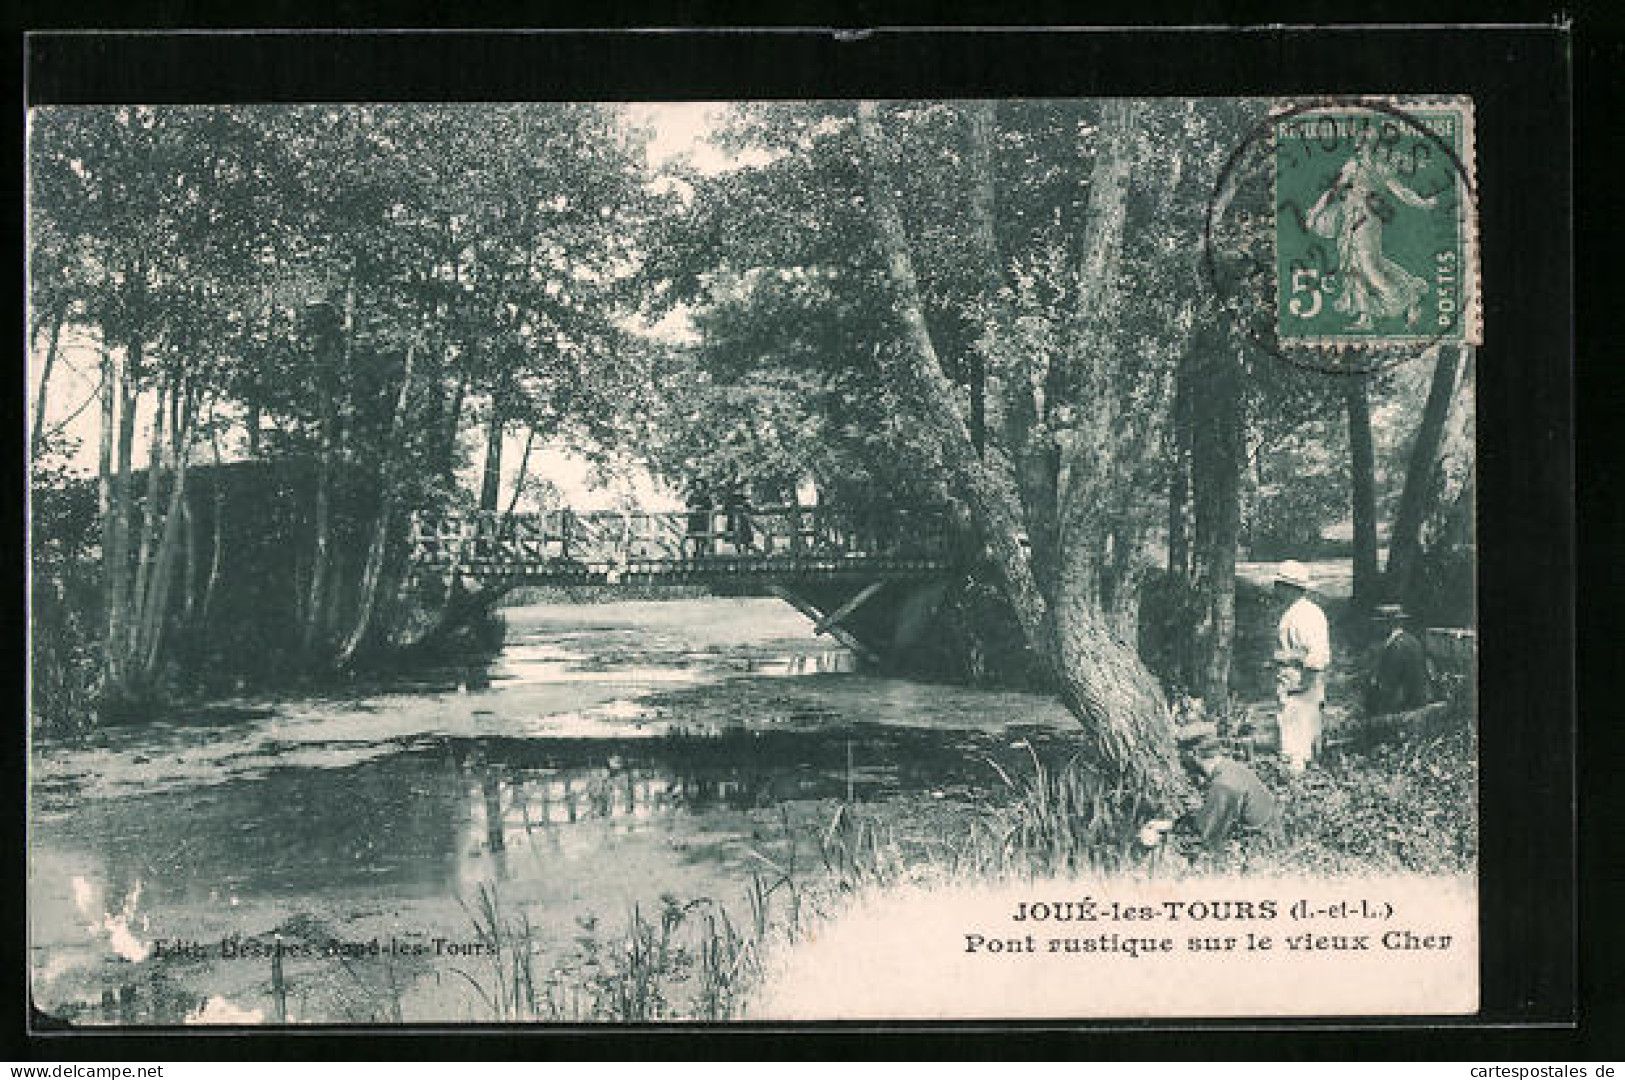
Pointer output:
x,y
36,438
1362,493
373,571
1405,540
1098,677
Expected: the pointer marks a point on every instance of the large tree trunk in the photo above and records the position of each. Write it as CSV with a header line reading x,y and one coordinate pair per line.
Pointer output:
x,y
155,617
1405,540
1362,494
1179,475
36,438
321,559
372,571
491,482
1098,677
1218,449
106,508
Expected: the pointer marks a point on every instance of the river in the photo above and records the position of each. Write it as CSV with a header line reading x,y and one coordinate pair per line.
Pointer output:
x,y
610,755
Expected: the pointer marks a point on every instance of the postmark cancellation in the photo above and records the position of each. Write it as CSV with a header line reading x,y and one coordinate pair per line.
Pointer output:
x,y
1375,224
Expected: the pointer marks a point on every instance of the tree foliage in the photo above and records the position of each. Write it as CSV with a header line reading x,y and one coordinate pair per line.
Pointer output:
x,y
1001,306
360,287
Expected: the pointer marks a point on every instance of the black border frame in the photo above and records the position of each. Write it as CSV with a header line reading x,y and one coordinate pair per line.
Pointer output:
x,y
1519,78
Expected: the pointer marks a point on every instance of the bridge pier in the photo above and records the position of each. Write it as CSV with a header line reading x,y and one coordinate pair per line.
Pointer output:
x,y
899,627
831,623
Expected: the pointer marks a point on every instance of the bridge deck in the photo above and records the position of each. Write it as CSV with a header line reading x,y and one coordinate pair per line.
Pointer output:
x,y
774,545
713,571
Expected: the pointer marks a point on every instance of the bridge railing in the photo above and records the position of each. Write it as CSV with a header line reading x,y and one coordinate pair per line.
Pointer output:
x,y
636,539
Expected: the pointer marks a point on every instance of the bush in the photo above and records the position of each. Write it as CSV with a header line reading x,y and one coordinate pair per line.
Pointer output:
x,y
1287,520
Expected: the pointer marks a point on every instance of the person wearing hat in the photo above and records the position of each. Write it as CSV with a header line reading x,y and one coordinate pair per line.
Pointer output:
x,y
1303,650
1235,796
1399,678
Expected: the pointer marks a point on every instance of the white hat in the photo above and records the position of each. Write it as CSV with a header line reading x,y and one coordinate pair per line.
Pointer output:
x,y
1292,572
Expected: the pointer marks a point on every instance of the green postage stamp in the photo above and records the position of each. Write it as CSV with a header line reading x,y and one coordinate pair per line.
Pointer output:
x,y
1375,231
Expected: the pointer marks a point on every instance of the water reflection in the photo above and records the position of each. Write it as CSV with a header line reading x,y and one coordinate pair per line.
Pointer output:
x,y
586,768
522,786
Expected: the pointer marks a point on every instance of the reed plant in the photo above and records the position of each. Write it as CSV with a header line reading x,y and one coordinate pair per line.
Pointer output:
x,y
698,961
506,982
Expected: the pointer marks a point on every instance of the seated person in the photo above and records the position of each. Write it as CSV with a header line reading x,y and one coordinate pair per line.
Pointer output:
x,y
1399,677
1235,796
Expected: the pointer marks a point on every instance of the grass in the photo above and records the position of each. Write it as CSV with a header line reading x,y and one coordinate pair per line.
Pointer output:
x,y
684,961
1058,821
506,983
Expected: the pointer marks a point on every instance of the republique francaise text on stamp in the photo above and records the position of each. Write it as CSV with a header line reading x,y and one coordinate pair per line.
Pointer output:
x,y
1374,235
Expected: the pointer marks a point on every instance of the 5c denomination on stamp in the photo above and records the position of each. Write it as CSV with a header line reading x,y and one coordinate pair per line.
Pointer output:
x,y
1373,226
1343,233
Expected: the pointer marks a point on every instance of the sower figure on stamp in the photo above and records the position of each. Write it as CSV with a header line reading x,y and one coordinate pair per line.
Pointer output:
x,y
1352,213
1399,677
1302,652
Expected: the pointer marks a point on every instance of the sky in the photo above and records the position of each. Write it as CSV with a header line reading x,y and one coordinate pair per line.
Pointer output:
x,y
679,129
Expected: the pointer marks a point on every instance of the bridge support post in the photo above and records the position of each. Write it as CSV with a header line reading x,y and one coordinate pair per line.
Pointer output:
x,y
827,624
830,621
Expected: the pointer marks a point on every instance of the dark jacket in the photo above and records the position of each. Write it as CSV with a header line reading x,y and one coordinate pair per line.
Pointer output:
x,y
1399,680
1235,796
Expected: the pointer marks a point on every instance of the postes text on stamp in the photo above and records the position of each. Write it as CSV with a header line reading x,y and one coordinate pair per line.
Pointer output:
x,y
1374,230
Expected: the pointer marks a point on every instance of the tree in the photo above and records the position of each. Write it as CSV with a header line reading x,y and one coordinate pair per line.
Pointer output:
x,y
340,280
1420,492
1362,492
1218,453
1055,591
1013,226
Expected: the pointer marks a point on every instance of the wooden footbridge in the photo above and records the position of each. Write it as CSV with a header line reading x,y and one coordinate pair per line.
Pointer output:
x,y
823,561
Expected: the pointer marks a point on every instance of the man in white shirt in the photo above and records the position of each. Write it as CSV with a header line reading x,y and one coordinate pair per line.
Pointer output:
x,y
1303,649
